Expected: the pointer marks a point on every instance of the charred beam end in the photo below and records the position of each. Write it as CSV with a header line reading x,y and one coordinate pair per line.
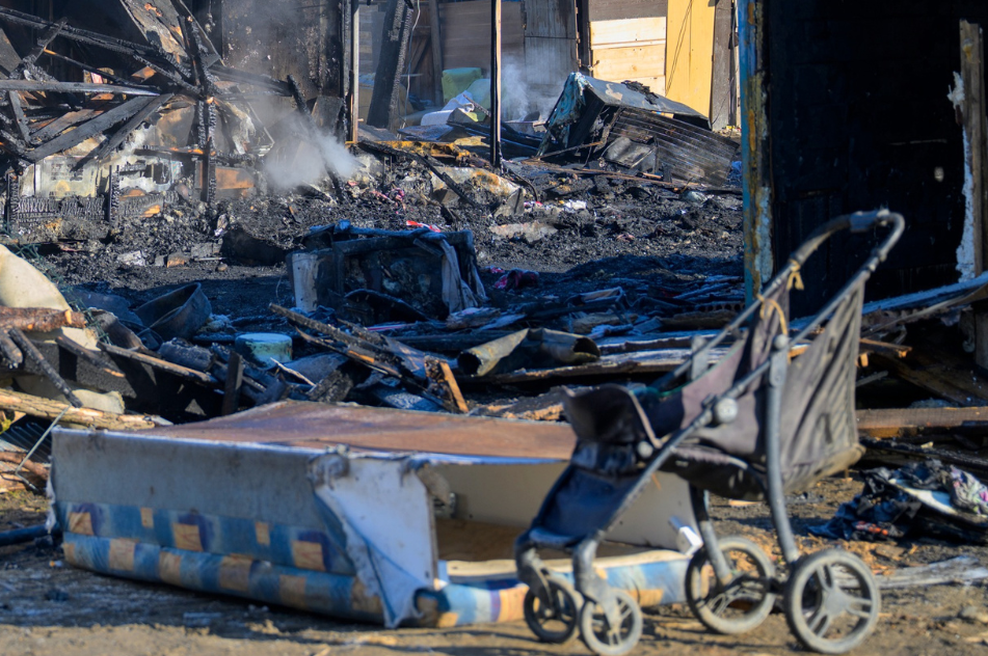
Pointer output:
x,y
15,105
40,46
94,358
158,363
234,384
32,352
13,355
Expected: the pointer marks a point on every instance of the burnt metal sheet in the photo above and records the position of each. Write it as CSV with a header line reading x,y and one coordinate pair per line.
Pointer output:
x,y
638,131
618,94
682,151
321,426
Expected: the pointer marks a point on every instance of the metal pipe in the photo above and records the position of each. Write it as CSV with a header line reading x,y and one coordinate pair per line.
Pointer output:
x,y
773,448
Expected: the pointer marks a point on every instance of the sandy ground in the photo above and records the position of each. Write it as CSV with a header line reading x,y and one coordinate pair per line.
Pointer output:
x,y
49,609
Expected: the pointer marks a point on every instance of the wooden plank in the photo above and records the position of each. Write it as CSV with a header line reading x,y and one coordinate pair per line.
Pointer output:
x,y
621,33
629,63
73,87
233,385
900,422
9,59
62,123
884,348
36,406
689,53
723,80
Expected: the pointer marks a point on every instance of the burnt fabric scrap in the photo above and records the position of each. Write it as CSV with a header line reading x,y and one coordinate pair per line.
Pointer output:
x,y
927,498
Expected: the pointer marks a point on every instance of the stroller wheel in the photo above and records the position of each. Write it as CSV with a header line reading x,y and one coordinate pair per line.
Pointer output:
x,y
745,601
831,601
555,623
607,640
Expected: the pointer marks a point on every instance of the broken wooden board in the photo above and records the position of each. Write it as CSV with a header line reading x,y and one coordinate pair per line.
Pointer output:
x,y
901,422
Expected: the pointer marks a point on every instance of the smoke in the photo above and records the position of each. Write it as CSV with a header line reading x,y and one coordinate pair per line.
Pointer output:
x,y
523,99
305,156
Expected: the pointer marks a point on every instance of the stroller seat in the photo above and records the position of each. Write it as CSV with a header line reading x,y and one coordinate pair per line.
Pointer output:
x,y
774,415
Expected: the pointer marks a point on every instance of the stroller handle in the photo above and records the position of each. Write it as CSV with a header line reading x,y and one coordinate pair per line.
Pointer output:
x,y
856,223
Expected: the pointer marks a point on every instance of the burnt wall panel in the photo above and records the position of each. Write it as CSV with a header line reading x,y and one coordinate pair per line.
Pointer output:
x,y
859,119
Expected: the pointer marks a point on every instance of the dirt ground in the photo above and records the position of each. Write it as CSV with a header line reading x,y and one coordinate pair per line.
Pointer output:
x,y
641,237
49,609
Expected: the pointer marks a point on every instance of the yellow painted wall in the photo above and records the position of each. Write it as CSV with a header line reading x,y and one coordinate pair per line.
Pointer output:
x,y
690,52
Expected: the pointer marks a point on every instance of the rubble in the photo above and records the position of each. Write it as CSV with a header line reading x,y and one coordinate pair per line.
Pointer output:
x,y
151,123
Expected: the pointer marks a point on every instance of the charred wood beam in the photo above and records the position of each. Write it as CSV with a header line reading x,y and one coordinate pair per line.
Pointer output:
x,y
61,124
142,115
495,135
93,38
100,124
204,58
95,358
45,39
37,406
439,386
74,87
340,336
158,363
154,58
18,109
9,59
13,144
40,319
191,18
93,69
234,384
14,356
390,64
33,354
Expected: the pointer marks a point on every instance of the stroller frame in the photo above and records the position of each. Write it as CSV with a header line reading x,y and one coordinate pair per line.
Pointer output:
x,y
830,581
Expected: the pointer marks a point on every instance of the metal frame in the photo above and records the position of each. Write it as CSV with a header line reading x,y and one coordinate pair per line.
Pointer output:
x,y
533,572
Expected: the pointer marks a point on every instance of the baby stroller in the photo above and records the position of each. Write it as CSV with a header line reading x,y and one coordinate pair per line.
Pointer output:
x,y
764,421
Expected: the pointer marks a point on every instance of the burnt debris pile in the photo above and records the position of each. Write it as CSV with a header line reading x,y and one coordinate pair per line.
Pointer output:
x,y
99,127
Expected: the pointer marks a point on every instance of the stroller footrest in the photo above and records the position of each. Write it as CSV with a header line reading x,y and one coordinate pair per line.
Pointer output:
x,y
547,539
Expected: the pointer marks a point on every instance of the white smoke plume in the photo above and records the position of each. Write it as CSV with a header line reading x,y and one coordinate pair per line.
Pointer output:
x,y
307,157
